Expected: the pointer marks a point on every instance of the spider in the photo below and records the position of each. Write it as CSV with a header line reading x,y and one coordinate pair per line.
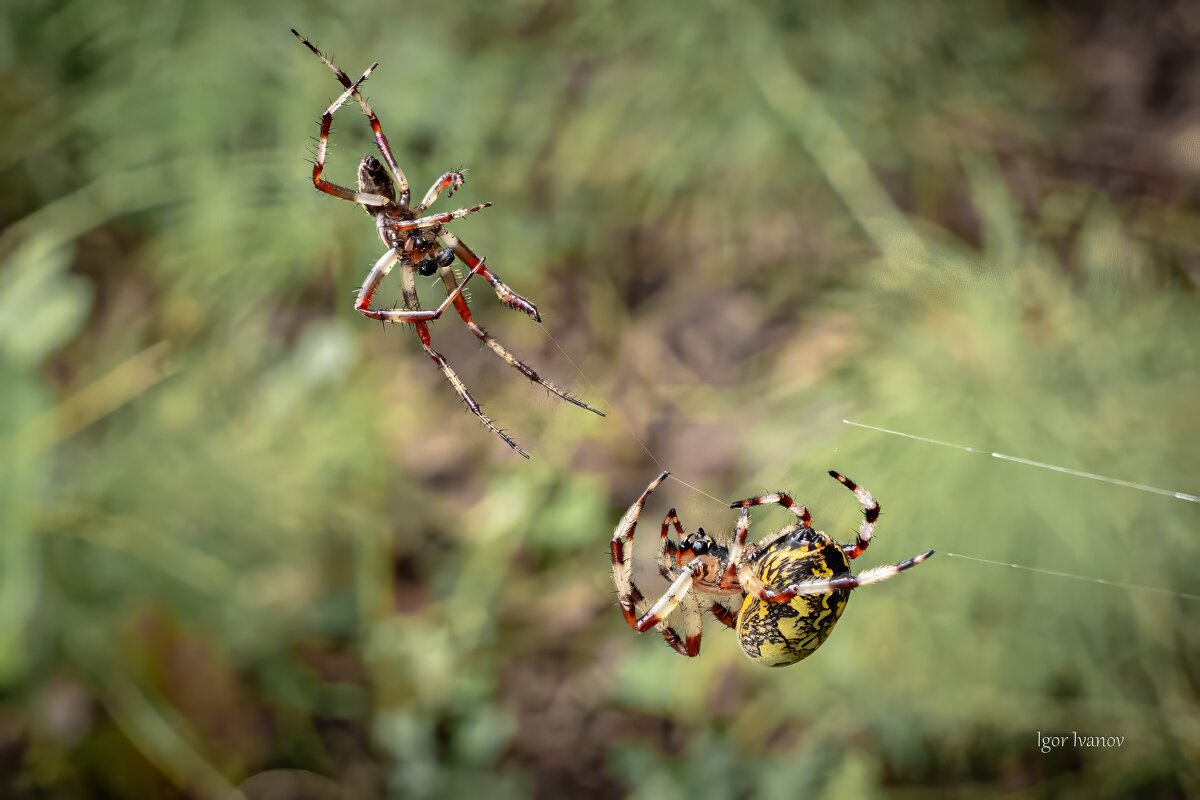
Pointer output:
x,y
792,586
412,239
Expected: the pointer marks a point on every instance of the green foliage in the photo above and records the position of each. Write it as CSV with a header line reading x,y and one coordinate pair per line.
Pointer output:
x,y
248,539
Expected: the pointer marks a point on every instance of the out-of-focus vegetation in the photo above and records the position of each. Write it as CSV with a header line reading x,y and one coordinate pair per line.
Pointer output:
x,y
249,540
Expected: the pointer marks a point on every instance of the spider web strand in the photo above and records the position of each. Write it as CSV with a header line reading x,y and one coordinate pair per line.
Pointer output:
x,y
626,419
701,491
1141,487
1101,581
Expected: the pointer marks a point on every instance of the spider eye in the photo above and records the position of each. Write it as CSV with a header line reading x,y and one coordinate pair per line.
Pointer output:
x,y
699,547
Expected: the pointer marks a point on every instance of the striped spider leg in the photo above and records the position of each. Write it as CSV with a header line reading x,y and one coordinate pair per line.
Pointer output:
x,y
464,312
408,288
633,602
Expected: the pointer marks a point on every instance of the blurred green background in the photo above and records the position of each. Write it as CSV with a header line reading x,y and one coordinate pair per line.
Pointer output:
x,y
250,542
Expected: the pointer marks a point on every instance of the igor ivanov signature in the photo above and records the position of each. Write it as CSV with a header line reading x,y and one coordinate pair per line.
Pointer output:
x,y
1048,743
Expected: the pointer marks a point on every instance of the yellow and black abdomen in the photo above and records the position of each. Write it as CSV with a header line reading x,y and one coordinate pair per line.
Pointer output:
x,y
778,634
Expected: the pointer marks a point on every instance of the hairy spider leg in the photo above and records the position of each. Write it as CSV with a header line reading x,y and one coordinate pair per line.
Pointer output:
x,y
752,584
449,180
433,220
668,552
725,615
464,311
628,594
729,574
778,498
408,289
866,528
423,334
378,272
376,128
737,551
693,624
840,583
323,148
674,595
507,296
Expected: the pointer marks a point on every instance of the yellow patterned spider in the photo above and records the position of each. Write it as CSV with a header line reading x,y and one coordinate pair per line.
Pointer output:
x,y
792,586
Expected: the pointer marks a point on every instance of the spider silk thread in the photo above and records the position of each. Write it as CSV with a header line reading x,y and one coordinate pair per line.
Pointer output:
x,y
627,421
1141,487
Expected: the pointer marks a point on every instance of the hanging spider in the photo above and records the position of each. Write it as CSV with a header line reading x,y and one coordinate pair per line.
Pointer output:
x,y
412,239
791,586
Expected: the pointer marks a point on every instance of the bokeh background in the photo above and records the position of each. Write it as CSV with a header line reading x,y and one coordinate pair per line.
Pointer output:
x,y
252,546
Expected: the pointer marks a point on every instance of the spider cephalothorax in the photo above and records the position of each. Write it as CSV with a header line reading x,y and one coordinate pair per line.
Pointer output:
x,y
420,244
783,594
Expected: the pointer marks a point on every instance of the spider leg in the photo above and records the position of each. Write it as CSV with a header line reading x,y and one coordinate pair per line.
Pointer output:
x,y
380,139
866,528
381,268
674,595
668,552
423,333
780,499
464,311
449,180
460,387
507,296
622,554
725,615
433,220
693,622
693,610
738,554
408,288
752,584
628,594
729,574
838,584
323,149
693,619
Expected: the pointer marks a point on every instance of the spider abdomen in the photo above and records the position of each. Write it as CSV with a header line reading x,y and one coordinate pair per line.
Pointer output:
x,y
778,634
374,179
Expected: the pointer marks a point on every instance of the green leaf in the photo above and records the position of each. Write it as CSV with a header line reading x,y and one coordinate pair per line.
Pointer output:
x,y
42,306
